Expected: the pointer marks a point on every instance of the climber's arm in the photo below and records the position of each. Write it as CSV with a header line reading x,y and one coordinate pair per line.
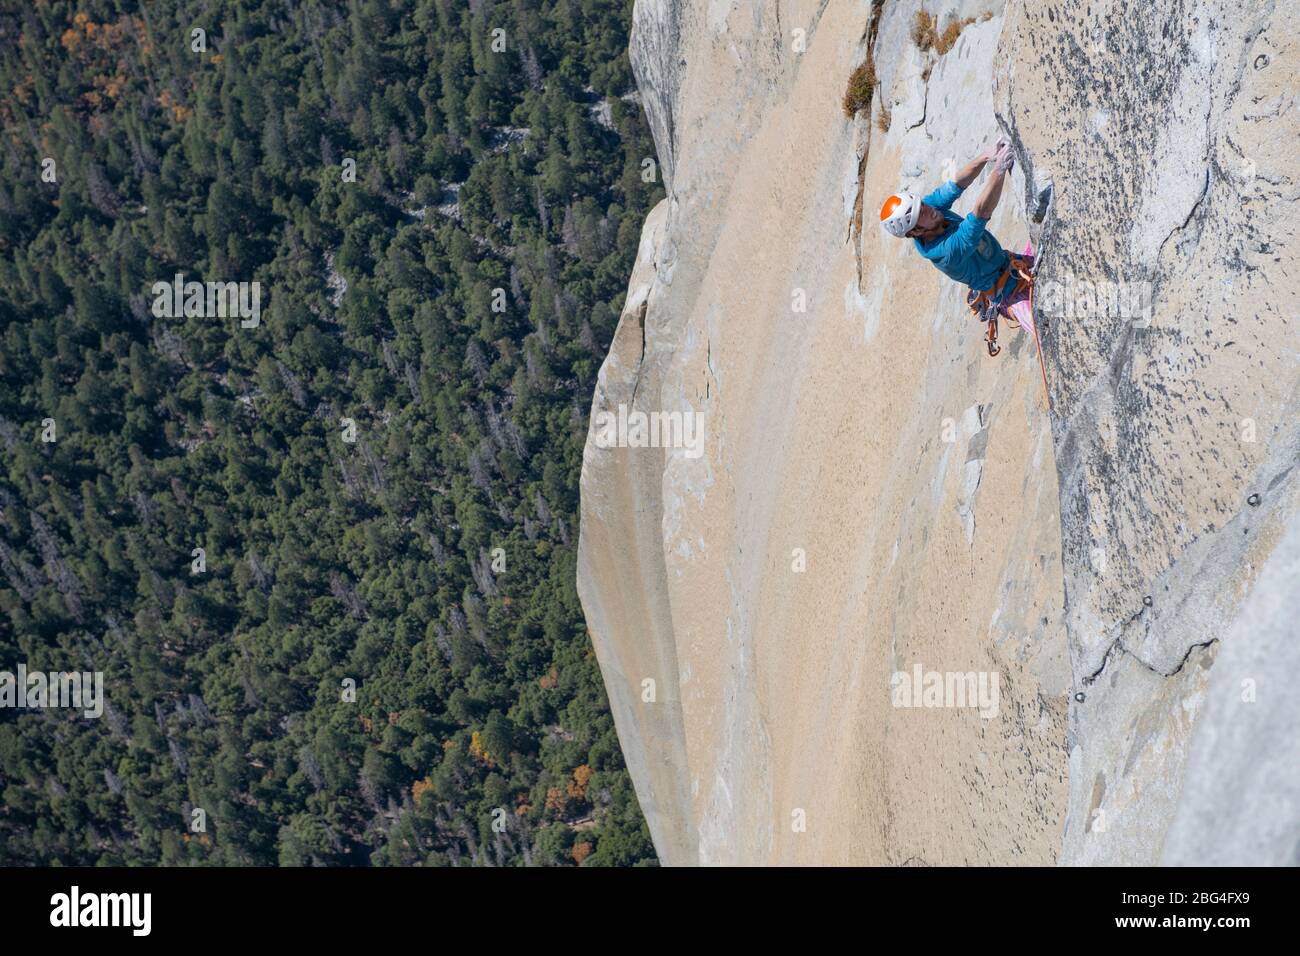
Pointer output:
x,y
971,171
966,237
989,197
1003,160
943,197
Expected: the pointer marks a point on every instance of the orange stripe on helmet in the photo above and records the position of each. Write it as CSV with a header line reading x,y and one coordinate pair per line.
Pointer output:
x,y
887,210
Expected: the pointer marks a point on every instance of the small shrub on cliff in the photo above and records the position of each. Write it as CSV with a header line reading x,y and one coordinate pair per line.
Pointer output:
x,y
862,82
926,35
883,119
923,30
948,39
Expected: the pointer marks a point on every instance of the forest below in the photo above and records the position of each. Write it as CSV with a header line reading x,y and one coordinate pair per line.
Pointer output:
x,y
374,486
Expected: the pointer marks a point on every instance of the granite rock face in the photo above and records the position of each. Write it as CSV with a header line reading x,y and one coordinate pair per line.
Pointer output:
x,y
1168,134
872,497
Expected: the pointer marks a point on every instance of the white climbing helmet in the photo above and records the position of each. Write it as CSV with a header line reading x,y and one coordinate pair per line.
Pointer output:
x,y
899,213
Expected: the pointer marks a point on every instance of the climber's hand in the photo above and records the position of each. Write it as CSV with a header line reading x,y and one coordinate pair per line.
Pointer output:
x,y
991,154
1004,159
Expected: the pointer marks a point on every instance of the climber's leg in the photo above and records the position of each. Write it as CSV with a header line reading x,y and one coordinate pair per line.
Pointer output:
x,y
984,310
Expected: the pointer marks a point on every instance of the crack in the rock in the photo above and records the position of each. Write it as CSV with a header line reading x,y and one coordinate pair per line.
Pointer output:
x,y
925,109
642,311
1118,646
1191,213
1182,663
869,33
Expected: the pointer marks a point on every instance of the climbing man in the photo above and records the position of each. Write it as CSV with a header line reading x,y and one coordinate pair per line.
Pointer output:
x,y
963,249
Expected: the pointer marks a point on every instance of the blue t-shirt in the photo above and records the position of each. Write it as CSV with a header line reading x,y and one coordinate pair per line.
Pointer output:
x,y
966,252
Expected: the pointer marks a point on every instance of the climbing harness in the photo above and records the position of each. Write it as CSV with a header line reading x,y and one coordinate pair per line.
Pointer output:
x,y
1023,268
983,304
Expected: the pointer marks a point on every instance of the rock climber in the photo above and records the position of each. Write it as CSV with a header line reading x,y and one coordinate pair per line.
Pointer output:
x,y
1001,283
963,249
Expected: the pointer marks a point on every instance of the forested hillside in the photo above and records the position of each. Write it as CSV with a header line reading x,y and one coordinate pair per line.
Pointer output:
x,y
381,473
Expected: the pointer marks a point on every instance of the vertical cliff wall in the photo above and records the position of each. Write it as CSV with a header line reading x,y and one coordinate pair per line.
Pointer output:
x,y
874,495
1168,133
